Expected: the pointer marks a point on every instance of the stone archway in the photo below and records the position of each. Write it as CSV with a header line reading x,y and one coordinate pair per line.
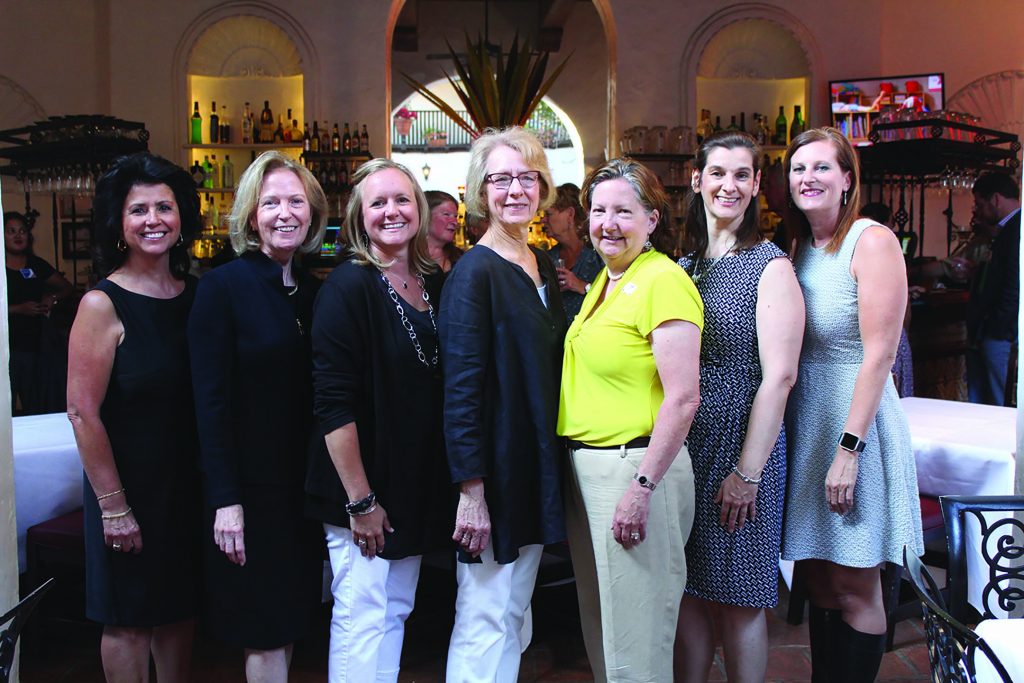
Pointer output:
x,y
604,12
706,32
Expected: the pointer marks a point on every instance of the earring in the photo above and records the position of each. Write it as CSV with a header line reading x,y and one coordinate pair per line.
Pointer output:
x,y
844,197
647,245
121,244
181,240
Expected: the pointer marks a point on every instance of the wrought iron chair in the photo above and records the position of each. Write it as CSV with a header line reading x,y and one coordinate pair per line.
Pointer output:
x,y
9,636
952,647
1002,546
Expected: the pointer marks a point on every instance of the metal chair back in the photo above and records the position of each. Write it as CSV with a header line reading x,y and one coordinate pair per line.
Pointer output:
x,y
17,617
952,647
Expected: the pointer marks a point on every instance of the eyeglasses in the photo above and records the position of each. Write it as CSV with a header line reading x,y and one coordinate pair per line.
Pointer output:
x,y
503,181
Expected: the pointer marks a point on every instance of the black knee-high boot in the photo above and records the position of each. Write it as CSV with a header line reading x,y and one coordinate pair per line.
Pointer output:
x,y
823,628
860,654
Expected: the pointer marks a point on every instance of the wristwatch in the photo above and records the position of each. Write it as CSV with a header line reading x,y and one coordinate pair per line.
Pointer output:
x,y
644,481
851,442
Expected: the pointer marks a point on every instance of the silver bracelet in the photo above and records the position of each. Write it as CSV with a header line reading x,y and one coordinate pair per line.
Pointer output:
x,y
364,512
744,478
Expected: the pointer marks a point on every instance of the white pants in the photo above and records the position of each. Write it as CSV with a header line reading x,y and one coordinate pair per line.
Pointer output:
x,y
486,642
372,600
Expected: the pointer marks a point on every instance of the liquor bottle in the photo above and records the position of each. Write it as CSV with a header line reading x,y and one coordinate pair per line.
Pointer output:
x,y
336,140
279,131
332,178
296,132
247,125
743,121
314,140
225,125
214,172
763,132
207,172
212,215
346,140
286,136
305,139
799,126
214,125
197,173
364,142
196,137
343,176
325,138
780,128
704,128
227,170
718,124
732,124
266,123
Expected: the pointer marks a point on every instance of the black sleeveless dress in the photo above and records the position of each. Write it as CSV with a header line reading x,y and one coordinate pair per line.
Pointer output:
x,y
149,417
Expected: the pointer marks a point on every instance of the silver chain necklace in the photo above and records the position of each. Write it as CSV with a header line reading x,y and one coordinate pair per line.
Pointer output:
x,y
701,271
405,320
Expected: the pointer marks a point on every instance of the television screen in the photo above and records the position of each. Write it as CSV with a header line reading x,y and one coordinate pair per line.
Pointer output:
x,y
332,237
920,92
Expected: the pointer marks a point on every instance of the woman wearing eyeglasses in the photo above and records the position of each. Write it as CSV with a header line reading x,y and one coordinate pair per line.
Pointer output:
x,y
501,328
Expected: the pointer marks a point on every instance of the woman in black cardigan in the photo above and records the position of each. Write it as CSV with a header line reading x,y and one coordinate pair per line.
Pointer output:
x,y
377,477
250,352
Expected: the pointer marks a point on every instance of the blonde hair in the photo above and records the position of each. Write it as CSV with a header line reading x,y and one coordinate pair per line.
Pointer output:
x,y
797,227
355,232
245,237
518,139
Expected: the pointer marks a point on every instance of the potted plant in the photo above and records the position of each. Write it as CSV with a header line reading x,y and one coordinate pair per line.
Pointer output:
x,y
435,137
496,94
403,121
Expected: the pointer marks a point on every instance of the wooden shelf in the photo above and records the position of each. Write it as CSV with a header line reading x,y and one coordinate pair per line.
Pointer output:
x,y
256,145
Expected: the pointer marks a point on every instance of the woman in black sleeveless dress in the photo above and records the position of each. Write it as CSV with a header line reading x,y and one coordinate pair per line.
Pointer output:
x,y
130,403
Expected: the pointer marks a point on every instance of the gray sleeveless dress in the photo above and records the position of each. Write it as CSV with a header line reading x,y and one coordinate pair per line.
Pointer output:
x,y
886,512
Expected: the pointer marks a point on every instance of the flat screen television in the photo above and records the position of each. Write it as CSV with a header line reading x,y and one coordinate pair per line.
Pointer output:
x,y
921,92
332,237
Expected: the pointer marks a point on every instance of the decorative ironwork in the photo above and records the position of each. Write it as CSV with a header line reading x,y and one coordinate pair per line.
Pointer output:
x,y
1002,546
431,122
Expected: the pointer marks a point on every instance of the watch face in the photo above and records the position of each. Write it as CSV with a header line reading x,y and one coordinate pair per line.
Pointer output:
x,y
642,480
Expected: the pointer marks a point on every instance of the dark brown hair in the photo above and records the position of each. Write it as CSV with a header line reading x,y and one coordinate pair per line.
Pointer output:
x,y
649,192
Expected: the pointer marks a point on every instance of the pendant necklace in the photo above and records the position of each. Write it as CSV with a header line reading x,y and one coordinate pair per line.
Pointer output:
x,y
702,267
408,325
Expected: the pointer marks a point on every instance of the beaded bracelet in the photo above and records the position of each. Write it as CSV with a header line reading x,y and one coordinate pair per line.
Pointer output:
x,y
361,507
744,478
112,493
364,512
117,515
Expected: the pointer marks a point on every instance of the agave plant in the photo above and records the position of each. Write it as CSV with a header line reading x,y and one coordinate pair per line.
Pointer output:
x,y
496,94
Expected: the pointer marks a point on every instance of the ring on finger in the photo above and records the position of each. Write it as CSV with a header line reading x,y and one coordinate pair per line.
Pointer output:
x,y
361,541
116,546
635,536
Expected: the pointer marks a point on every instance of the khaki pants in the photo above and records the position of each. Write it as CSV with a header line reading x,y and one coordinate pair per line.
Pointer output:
x,y
629,599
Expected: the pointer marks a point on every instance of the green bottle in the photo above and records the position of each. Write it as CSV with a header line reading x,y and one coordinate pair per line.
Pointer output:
x,y
798,123
780,128
197,126
207,172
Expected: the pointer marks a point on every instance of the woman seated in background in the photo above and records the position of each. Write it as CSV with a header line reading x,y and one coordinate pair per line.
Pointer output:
x,y
39,355
501,329
378,479
629,393
444,221
576,261
855,288
130,404
750,348
252,370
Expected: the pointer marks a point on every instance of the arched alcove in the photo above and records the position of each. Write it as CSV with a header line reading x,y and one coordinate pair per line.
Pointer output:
x,y
250,39
17,106
604,13
749,42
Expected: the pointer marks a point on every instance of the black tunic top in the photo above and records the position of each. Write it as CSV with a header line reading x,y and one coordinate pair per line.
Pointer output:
x,y
27,284
367,371
251,369
501,351
148,415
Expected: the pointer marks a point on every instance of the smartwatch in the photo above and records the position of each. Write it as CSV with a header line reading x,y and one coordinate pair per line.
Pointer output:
x,y
851,442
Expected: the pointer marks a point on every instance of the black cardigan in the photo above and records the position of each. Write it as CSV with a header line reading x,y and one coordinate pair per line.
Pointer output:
x,y
366,370
502,357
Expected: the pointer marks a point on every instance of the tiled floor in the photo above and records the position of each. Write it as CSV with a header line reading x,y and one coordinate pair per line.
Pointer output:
x,y
69,653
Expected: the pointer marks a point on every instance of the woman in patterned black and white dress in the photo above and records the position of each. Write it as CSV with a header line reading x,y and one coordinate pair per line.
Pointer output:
x,y
754,318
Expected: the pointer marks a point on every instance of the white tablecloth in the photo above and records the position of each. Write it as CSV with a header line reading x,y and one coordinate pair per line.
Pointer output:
x,y
1006,637
47,472
962,449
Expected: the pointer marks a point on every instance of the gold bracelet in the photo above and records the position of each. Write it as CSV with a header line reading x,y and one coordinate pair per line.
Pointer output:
x,y
112,493
117,515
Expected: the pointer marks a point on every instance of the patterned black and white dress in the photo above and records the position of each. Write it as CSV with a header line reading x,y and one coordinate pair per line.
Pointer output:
x,y
740,568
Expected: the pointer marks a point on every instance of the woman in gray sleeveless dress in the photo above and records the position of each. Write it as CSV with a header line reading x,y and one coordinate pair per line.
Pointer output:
x,y
851,505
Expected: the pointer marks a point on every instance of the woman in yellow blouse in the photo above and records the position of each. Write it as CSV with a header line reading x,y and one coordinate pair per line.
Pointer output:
x,y
629,393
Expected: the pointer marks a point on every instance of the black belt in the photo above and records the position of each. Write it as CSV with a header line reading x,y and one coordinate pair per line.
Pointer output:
x,y
638,442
